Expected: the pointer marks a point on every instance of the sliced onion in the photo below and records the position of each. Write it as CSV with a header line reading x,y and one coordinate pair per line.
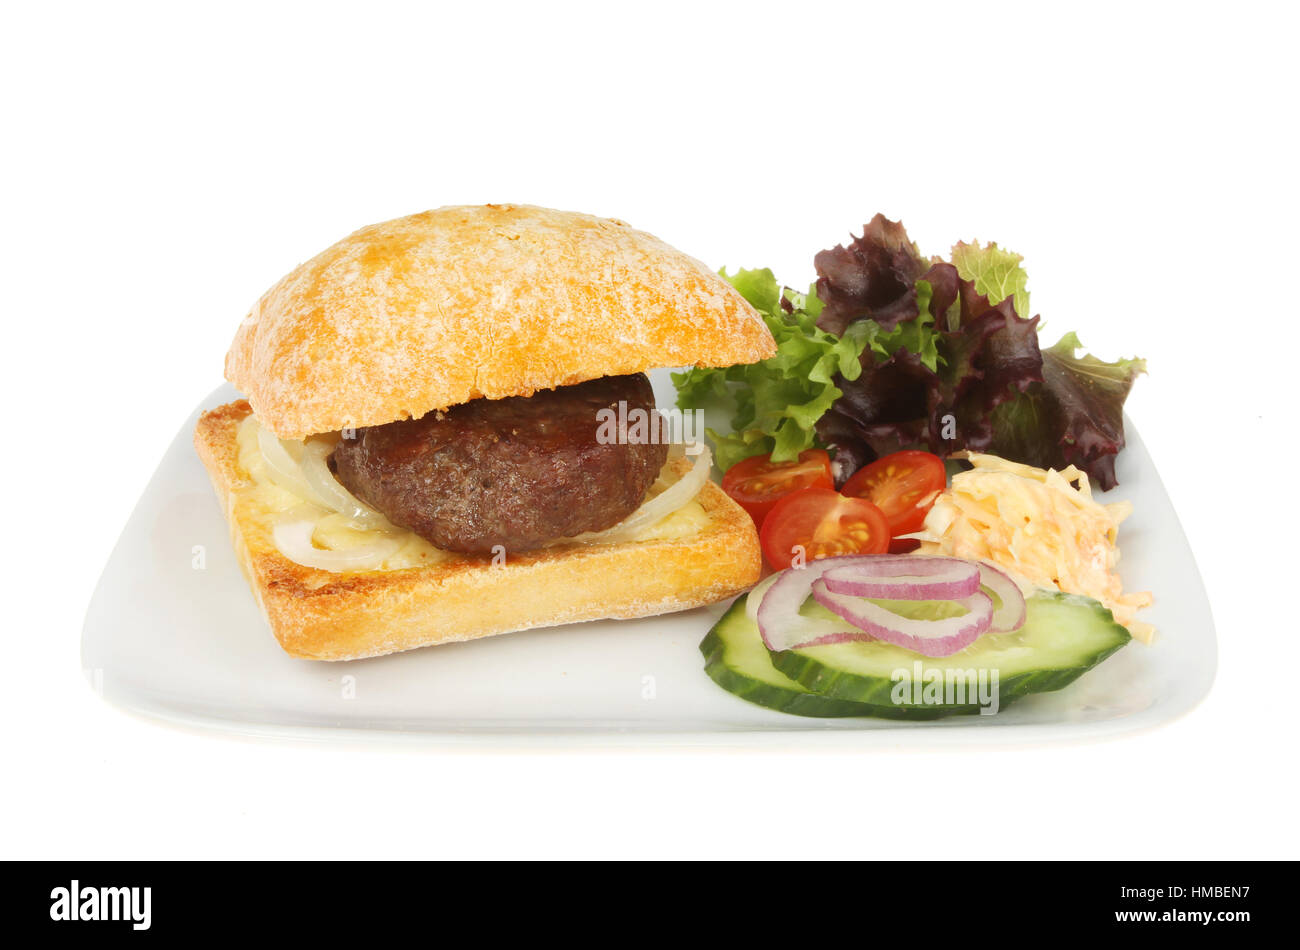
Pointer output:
x,y
915,577
847,585
302,469
927,637
284,469
293,538
1010,615
325,486
779,621
676,496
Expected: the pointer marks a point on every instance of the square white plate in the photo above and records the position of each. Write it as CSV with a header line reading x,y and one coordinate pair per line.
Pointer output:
x,y
173,632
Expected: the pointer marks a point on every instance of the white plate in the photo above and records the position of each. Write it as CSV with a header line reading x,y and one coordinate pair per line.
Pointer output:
x,y
172,632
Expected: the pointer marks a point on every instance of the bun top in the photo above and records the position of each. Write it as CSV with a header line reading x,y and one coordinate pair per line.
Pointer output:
x,y
436,309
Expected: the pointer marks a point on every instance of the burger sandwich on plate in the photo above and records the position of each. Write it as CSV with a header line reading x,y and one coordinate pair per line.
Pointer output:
x,y
436,442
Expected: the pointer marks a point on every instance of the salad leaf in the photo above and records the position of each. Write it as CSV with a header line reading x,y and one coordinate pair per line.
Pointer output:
x,y
889,350
996,273
987,356
776,403
1076,417
759,287
918,336
971,374
872,278
886,408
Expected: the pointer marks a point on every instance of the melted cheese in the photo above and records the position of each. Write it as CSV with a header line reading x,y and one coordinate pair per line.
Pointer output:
x,y
266,502
1043,526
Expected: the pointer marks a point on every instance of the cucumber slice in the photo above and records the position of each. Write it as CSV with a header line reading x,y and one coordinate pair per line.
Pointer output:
x,y
736,659
1064,636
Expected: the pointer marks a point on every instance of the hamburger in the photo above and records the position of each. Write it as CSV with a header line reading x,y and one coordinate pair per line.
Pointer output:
x,y
428,450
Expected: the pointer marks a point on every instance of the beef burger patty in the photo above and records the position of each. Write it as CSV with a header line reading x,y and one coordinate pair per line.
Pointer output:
x,y
515,472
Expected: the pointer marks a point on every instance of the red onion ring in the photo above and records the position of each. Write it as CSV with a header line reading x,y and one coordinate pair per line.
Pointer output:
x,y
927,637
1010,615
920,577
844,585
779,621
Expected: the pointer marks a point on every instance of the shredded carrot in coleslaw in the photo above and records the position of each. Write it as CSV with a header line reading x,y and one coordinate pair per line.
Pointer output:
x,y
1041,525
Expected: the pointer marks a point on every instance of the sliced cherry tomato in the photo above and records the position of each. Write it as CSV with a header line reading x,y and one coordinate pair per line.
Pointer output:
x,y
758,483
903,485
820,522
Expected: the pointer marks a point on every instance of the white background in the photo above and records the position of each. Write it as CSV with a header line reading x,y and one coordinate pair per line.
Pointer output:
x,y
161,168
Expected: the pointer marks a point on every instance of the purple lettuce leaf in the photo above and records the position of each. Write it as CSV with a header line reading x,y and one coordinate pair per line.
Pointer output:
x,y
1075,417
872,278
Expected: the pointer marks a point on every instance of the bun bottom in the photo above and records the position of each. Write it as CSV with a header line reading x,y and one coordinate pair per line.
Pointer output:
x,y
322,615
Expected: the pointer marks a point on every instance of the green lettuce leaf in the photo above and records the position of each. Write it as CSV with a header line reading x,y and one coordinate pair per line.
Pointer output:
x,y
996,273
775,404
917,336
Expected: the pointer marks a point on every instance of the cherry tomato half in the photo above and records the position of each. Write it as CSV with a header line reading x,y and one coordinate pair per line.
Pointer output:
x,y
903,485
758,483
820,522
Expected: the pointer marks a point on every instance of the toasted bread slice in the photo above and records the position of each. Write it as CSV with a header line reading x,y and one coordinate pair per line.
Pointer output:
x,y
324,615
